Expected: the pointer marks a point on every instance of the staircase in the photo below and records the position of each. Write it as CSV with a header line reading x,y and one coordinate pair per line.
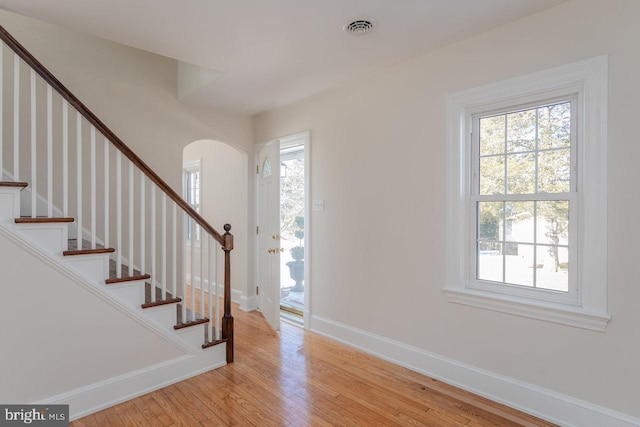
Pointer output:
x,y
80,198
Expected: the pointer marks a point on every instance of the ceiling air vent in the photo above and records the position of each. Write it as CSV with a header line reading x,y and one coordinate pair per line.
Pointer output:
x,y
359,27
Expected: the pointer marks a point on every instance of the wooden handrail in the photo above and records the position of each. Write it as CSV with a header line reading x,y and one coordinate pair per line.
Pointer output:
x,y
108,133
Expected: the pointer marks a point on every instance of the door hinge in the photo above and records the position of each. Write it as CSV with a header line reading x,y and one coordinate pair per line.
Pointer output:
x,y
257,169
257,229
257,290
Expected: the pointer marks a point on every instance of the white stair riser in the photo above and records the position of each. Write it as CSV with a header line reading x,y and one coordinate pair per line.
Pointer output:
x,y
93,267
193,335
9,204
130,293
52,237
164,315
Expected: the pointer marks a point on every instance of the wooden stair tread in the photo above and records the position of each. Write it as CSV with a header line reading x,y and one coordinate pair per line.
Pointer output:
x,y
126,279
213,343
21,185
191,323
160,302
180,324
168,298
85,248
41,220
125,274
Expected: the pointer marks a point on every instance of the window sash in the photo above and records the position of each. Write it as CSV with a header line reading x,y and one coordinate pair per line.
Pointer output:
x,y
571,296
475,139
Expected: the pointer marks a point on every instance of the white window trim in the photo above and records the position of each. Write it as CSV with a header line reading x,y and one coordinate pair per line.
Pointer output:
x,y
588,78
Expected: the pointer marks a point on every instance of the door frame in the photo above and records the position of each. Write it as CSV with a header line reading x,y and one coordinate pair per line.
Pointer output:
x,y
304,139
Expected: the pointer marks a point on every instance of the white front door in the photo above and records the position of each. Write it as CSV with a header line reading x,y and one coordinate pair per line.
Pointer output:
x,y
269,232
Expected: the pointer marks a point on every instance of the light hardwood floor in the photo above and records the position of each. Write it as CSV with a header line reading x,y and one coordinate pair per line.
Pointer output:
x,y
297,378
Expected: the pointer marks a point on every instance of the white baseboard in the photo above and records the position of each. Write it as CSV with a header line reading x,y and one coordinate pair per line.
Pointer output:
x,y
96,397
540,402
236,295
248,303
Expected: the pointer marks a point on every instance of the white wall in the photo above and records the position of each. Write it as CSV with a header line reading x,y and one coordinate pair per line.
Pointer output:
x,y
224,185
377,159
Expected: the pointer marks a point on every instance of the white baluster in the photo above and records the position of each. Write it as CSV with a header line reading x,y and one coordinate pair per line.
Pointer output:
x,y
209,279
79,176
16,117
1,108
34,148
106,193
153,242
164,245
174,246
183,295
143,243
202,297
217,285
93,187
49,151
65,158
118,214
192,236
131,218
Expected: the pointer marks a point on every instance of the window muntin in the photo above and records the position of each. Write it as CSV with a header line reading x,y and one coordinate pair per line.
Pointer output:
x,y
523,199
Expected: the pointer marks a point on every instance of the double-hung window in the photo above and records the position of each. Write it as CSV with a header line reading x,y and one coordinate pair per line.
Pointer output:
x,y
524,200
526,196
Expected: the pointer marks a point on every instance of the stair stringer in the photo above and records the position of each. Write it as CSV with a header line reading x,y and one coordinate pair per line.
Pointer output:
x,y
102,394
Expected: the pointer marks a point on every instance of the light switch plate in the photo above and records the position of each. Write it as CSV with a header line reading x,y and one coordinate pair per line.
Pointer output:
x,y
318,205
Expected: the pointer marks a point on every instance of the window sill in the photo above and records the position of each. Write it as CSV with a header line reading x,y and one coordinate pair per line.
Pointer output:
x,y
556,313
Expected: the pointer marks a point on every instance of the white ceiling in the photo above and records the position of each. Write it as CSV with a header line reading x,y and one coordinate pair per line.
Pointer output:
x,y
274,52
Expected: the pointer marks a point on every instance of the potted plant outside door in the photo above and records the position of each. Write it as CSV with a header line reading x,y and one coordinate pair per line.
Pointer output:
x,y
296,267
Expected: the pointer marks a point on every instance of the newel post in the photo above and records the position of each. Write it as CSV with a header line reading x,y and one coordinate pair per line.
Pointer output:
x,y
227,319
